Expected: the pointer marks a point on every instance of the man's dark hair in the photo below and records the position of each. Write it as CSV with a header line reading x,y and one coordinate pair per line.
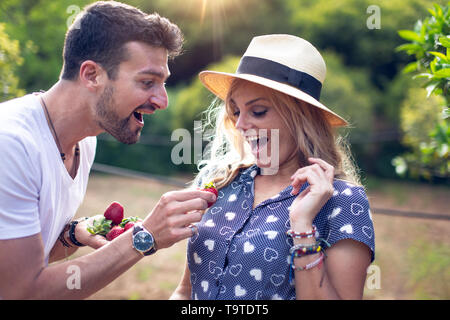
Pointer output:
x,y
103,28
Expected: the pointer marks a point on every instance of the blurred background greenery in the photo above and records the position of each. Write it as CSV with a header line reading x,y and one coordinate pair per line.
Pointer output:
x,y
389,112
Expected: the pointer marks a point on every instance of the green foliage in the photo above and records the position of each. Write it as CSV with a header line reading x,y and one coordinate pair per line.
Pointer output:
x,y
10,59
40,27
430,45
193,99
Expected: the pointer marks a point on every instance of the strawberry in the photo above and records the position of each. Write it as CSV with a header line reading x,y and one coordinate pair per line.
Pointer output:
x,y
128,225
210,187
114,232
129,222
114,213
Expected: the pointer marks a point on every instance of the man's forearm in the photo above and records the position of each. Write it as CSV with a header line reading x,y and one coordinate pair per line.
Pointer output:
x,y
81,277
60,252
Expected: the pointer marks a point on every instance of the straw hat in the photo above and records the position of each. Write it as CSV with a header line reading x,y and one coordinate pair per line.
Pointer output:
x,y
282,62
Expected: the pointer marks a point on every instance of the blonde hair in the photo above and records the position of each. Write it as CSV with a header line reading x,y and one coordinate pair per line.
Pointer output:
x,y
312,133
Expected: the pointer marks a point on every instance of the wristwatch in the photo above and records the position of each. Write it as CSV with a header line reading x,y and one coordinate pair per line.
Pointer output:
x,y
143,240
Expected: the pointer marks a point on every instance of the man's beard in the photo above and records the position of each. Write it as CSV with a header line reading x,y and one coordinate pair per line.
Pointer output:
x,y
109,120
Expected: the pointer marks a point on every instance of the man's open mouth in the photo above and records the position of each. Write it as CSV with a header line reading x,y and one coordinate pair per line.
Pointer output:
x,y
139,116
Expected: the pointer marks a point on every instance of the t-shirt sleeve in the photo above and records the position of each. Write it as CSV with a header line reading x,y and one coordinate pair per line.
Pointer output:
x,y
349,216
19,191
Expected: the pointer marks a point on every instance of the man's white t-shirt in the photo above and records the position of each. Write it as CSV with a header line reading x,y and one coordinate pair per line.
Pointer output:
x,y
37,194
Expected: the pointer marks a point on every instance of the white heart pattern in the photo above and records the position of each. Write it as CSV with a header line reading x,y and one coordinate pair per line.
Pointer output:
x,y
215,210
236,270
210,223
256,273
205,285
367,231
356,209
277,279
270,254
271,234
209,244
232,198
271,218
239,291
347,192
248,247
335,212
348,228
230,215
197,258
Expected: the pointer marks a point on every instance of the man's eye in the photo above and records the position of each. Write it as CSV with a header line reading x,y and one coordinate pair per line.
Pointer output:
x,y
147,83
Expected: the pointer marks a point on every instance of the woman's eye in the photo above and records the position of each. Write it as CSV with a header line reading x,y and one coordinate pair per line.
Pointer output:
x,y
259,113
236,113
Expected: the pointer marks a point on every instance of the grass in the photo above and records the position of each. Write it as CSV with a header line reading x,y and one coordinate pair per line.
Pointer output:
x,y
412,255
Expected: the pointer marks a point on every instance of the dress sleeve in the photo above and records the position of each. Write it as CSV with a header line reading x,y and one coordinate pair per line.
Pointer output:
x,y
349,216
19,191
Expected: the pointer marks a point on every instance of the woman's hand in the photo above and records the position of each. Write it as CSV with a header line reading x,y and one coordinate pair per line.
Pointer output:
x,y
320,176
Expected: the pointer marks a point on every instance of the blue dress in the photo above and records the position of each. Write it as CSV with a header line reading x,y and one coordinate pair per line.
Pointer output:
x,y
243,253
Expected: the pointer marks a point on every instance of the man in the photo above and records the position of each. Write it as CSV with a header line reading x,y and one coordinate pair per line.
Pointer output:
x,y
115,66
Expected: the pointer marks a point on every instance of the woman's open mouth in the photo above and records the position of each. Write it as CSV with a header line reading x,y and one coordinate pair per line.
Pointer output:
x,y
257,143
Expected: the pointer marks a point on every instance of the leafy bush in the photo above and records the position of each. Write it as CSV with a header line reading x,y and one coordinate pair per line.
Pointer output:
x,y
430,45
10,59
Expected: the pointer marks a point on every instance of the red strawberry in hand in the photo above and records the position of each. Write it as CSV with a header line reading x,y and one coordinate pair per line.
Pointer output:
x,y
114,213
114,233
210,187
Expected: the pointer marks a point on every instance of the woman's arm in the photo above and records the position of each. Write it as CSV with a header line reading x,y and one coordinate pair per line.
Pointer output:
x,y
342,274
183,291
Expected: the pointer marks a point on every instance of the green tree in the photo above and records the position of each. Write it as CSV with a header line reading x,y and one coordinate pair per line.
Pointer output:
x,y
10,59
430,45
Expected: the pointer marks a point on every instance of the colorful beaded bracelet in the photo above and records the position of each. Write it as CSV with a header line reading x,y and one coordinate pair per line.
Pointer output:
x,y
302,235
300,250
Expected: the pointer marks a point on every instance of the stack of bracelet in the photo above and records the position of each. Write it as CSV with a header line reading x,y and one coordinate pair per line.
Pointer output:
x,y
301,250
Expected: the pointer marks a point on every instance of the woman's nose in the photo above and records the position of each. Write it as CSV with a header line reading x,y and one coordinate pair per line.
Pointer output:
x,y
242,123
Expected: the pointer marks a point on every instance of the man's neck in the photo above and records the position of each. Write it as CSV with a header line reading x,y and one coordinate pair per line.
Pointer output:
x,y
70,113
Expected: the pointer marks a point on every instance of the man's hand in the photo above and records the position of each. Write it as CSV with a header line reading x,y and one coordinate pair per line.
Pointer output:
x,y
169,221
85,237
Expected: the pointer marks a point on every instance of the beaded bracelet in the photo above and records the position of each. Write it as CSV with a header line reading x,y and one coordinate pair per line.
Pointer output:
x,y
300,250
302,235
315,263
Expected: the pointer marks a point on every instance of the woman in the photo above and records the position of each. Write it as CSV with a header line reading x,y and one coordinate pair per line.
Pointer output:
x,y
291,220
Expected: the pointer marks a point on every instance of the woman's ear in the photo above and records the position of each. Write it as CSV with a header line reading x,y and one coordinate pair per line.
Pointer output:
x,y
92,75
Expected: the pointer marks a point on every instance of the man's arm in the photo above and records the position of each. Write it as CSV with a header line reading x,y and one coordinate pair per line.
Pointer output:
x,y
25,276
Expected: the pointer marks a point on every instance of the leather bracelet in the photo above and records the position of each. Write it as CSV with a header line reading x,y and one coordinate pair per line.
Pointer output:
x,y
72,238
62,234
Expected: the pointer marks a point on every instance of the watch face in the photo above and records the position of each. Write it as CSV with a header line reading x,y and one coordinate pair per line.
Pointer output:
x,y
143,241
